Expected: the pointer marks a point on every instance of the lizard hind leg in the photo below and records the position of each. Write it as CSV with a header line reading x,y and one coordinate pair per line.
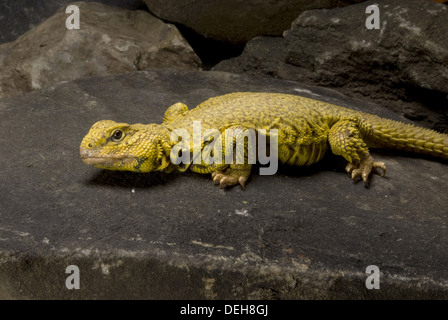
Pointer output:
x,y
345,140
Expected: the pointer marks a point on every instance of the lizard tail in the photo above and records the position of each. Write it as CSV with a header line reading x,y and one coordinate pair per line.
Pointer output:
x,y
407,137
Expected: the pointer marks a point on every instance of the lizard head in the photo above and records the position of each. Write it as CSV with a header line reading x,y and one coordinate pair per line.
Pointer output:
x,y
121,146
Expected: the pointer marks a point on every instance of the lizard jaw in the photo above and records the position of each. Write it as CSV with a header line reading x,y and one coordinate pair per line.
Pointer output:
x,y
92,158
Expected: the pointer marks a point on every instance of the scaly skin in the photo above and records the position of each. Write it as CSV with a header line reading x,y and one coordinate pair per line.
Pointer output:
x,y
307,128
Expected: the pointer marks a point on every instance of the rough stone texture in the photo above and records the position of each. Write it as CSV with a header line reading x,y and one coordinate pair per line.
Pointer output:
x,y
237,21
403,65
303,233
110,40
20,16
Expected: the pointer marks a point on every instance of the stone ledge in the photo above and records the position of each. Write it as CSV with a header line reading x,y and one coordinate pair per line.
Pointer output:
x,y
306,233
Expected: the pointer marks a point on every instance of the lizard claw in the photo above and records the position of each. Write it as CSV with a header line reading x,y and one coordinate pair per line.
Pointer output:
x,y
365,169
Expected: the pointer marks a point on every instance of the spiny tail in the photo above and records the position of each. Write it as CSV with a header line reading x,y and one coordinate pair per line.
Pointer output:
x,y
392,134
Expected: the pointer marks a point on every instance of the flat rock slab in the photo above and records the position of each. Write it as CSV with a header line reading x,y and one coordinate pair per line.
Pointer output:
x,y
302,233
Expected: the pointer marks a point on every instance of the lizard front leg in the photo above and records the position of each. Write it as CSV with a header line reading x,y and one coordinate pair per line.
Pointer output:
x,y
238,153
345,140
239,148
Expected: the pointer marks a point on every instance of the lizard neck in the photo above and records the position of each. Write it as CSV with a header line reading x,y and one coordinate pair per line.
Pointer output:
x,y
161,146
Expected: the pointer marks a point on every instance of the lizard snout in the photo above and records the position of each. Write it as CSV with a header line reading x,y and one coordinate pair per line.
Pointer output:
x,y
84,153
88,157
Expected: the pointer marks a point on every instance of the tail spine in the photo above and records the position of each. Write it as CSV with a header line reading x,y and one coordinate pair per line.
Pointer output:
x,y
393,134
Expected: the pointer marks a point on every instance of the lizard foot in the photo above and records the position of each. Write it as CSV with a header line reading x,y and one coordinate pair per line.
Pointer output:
x,y
365,168
231,177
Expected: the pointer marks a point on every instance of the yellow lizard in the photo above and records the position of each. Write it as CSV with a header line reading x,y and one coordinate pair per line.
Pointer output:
x,y
306,129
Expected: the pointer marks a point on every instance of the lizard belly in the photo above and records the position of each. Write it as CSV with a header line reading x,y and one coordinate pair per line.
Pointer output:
x,y
300,154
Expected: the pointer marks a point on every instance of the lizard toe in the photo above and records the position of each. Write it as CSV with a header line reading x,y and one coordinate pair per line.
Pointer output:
x,y
349,168
356,175
217,177
227,182
242,182
380,165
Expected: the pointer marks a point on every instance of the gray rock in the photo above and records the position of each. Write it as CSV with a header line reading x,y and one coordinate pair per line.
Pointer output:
x,y
302,233
263,57
412,40
403,65
110,40
236,21
20,16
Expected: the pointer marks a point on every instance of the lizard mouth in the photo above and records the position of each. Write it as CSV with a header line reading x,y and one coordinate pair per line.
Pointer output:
x,y
104,161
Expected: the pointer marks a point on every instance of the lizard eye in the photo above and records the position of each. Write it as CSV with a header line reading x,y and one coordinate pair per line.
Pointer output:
x,y
117,135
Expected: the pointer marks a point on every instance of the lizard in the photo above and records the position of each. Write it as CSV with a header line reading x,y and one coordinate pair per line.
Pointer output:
x,y
306,130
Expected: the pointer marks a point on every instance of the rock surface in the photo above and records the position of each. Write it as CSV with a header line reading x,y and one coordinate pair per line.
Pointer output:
x,y
20,16
236,21
110,40
302,233
403,65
